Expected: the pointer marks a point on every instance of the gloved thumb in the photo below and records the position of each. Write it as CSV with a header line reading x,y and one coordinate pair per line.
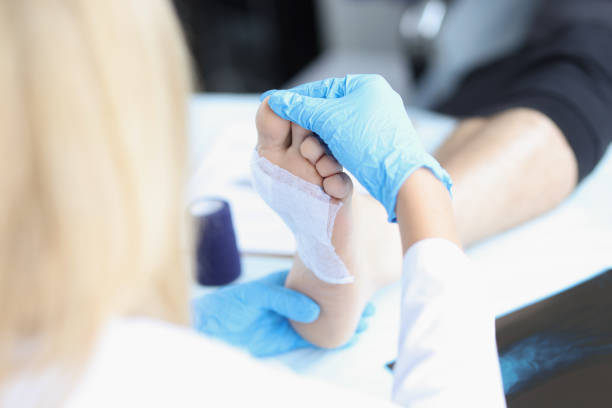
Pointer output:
x,y
304,110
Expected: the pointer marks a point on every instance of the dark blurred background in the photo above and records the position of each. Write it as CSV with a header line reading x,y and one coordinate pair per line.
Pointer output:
x,y
246,45
422,47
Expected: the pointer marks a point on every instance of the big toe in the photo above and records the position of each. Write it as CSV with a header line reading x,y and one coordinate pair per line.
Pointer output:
x,y
274,133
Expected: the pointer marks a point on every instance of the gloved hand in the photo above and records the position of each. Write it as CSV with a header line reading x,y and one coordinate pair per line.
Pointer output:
x,y
254,315
365,126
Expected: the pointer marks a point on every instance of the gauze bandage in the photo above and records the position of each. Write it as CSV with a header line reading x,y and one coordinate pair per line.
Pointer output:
x,y
308,211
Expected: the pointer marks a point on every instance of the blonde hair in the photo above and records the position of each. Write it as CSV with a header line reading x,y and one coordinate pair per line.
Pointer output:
x,y
93,140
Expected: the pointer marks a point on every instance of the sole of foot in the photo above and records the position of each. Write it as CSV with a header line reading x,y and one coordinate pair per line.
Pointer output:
x,y
369,246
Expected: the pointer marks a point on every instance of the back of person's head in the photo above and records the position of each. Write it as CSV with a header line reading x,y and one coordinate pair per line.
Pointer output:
x,y
93,141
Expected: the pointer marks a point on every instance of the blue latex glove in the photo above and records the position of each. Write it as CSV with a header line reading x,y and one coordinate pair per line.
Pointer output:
x,y
254,315
364,123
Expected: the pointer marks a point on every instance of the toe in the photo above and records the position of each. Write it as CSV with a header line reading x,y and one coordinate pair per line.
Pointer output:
x,y
338,186
328,166
298,135
312,149
274,133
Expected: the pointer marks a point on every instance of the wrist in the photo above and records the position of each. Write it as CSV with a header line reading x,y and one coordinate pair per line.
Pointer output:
x,y
424,209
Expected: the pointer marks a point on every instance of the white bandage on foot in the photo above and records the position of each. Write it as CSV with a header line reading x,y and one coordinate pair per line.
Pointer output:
x,y
308,211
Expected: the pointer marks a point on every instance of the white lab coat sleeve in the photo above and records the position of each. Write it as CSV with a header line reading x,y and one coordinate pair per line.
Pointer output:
x,y
447,349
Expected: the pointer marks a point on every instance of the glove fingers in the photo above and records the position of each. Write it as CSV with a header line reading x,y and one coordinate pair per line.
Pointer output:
x,y
361,326
326,88
363,323
207,309
303,110
369,310
285,302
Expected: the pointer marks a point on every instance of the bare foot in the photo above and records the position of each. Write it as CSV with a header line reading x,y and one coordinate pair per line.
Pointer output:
x,y
369,246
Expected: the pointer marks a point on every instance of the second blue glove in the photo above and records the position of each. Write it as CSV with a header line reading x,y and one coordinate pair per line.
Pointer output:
x,y
254,315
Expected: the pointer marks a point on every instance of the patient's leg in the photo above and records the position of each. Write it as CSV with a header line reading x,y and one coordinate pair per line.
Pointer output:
x,y
366,243
520,149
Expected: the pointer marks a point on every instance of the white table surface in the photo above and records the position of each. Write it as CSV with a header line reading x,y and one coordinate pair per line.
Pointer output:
x,y
551,253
